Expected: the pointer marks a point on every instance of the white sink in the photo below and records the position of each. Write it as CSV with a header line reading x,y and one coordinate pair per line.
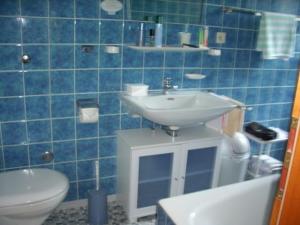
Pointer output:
x,y
181,108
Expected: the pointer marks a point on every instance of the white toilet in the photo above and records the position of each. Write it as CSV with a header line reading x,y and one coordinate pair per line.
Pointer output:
x,y
27,197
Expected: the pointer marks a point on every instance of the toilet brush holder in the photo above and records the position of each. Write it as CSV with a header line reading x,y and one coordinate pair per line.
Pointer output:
x,y
97,203
97,208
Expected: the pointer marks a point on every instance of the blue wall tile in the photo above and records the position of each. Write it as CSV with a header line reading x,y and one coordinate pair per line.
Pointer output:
x,y
87,8
39,131
108,185
62,56
193,59
214,15
174,59
244,39
64,151
86,169
34,7
86,130
63,129
107,147
12,109
128,122
87,149
10,57
15,156
240,78
87,31
11,28
62,106
225,78
36,83
86,81
154,59
154,78
227,58
132,76
69,169
211,78
107,167
109,103
61,8
109,80
61,31
11,84
132,59
14,133
35,30
109,125
38,107
9,7
62,82
111,32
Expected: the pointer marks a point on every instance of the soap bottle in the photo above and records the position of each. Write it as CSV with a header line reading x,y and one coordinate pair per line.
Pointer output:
x,y
151,40
205,38
158,31
140,41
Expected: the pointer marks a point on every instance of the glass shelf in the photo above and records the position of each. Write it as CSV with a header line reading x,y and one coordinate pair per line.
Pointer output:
x,y
168,48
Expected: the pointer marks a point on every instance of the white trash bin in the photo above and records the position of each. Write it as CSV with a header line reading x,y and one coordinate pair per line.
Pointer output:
x,y
235,154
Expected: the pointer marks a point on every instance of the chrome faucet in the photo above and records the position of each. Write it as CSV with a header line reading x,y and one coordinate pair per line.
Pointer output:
x,y
167,85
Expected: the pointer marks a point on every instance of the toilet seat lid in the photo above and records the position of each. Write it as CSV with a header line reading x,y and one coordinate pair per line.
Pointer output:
x,y
30,186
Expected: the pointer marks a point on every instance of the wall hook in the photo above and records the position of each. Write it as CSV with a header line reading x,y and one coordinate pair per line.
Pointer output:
x,y
26,58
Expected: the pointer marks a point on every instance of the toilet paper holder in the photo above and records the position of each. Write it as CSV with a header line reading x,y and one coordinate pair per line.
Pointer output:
x,y
88,110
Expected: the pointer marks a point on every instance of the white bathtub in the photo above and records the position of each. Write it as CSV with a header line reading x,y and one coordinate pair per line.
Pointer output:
x,y
245,203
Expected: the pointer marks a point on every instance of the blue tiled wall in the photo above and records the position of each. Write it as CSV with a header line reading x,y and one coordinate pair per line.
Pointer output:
x,y
38,99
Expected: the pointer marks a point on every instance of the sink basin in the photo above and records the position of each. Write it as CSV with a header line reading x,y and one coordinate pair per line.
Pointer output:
x,y
181,108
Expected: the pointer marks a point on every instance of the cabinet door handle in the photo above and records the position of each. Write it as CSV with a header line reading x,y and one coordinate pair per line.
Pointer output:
x,y
182,177
176,178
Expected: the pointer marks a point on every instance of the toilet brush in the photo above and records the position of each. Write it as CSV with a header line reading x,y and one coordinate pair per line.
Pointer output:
x,y
97,203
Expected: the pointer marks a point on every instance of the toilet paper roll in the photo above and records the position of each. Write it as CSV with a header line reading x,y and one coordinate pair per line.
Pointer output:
x,y
88,115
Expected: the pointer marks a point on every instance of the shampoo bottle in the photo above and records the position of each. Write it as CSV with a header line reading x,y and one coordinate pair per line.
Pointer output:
x,y
158,31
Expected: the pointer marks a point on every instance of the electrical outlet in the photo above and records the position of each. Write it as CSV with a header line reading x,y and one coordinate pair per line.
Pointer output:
x,y
221,37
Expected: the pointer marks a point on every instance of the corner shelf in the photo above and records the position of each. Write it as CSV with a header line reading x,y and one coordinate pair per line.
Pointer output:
x,y
167,49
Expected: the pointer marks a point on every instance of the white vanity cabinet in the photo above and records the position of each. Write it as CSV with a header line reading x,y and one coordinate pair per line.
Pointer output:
x,y
152,165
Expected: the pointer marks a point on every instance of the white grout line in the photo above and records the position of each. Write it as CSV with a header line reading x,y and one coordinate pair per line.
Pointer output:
x,y
50,78
24,98
2,153
74,94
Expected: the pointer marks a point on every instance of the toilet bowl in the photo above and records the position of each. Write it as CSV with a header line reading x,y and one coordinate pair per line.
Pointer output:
x,y
27,197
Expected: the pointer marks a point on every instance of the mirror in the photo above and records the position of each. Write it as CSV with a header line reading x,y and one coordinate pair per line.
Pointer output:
x,y
173,11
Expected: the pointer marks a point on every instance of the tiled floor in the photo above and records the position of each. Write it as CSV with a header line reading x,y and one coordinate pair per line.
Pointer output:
x,y
78,216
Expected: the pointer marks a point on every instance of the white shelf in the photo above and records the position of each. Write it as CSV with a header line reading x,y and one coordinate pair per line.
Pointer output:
x,y
281,136
168,49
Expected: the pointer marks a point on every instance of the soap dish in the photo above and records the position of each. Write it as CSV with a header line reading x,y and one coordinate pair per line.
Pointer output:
x,y
194,76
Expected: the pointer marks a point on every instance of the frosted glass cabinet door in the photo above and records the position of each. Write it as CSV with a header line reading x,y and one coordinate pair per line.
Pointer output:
x,y
154,182
199,169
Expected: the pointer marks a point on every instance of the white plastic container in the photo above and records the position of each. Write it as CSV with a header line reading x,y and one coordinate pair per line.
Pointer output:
x,y
137,89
